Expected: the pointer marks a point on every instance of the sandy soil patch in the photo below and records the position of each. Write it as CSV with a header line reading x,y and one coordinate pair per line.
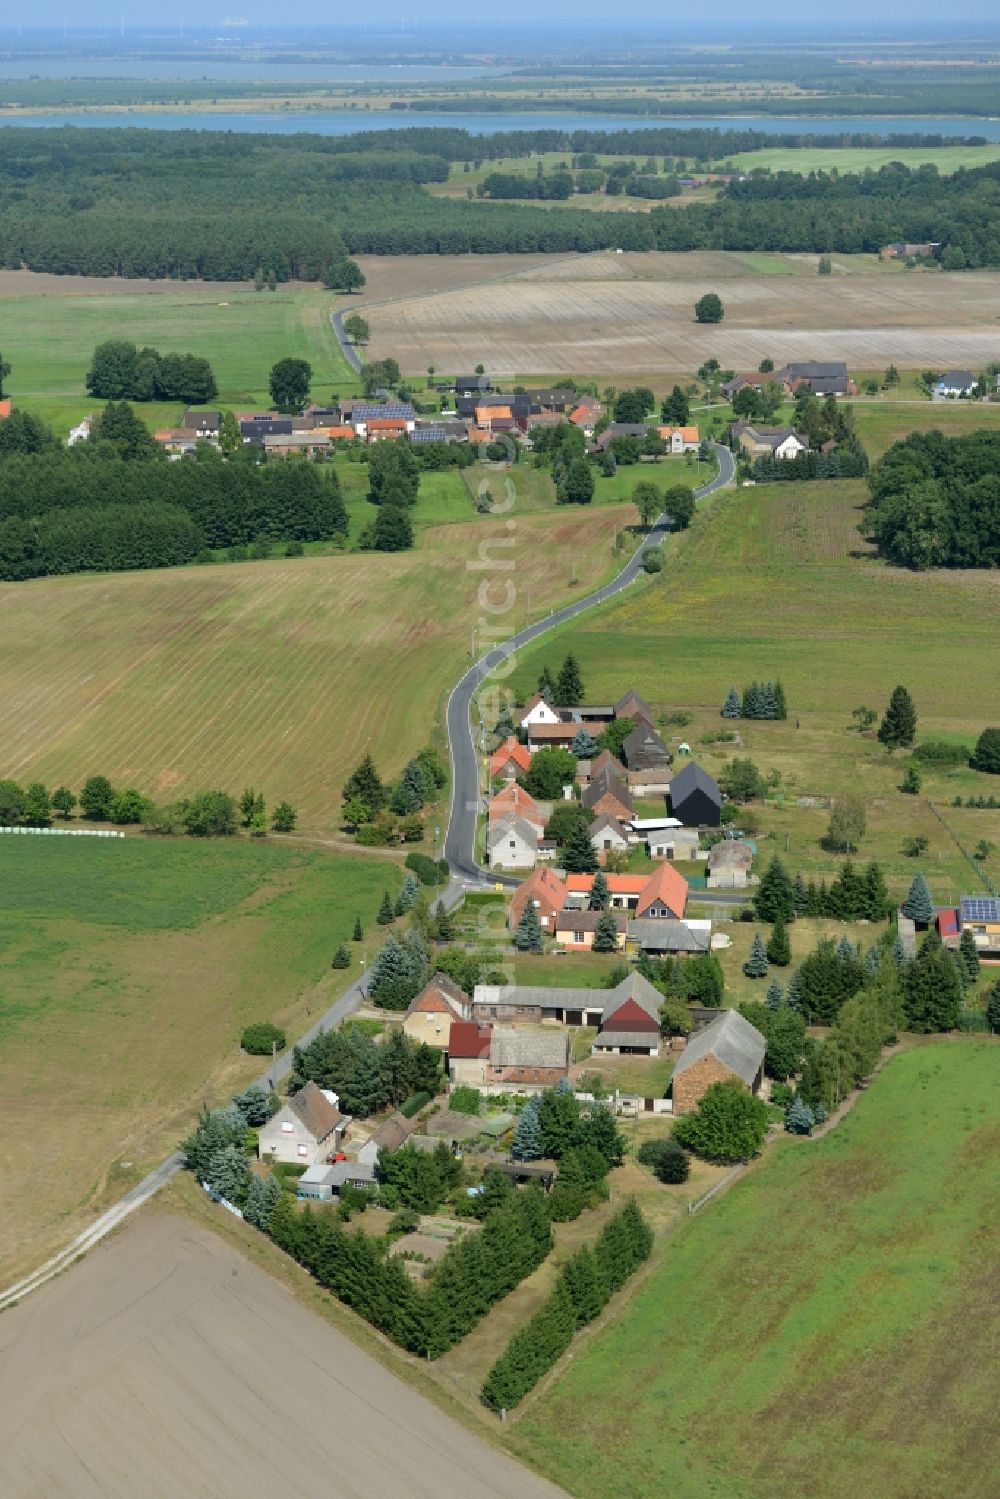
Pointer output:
x,y
166,1364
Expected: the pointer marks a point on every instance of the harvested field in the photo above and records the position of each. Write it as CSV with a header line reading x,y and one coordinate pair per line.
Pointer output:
x,y
618,314
276,674
393,276
166,1364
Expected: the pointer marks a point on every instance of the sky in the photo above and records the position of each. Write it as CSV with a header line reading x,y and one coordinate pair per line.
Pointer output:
x,y
904,17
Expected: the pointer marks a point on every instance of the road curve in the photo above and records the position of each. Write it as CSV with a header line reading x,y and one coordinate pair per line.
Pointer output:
x,y
459,846
348,350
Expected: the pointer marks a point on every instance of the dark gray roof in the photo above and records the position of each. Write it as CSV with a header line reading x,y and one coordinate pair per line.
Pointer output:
x,y
342,1172
528,1046
202,421
737,1044
692,778
540,995
957,378
815,370
586,921
273,426
367,411
978,908
665,935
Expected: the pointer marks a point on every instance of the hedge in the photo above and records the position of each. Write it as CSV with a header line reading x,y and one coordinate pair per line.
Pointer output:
x,y
257,1039
414,1104
586,1284
425,869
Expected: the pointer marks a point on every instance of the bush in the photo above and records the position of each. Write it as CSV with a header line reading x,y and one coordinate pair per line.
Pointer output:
x,y
414,1104
425,869
258,1039
465,1100
669,1162
652,559
940,752
729,1124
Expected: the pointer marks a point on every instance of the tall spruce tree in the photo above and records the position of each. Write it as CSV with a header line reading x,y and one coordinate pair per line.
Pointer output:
x,y
780,703
528,934
579,855
600,895
800,895
365,785
386,911
800,1118
918,905
969,953
779,949
875,902
932,989
733,706
606,933
775,895
756,965
584,745
899,722
793,995
546,684
775,996
527,1142
569,684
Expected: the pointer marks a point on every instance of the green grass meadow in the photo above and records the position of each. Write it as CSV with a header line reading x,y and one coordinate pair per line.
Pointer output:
x,y
827,1327
128,969
49,340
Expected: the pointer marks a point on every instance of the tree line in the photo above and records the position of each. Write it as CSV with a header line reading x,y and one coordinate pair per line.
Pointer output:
x,y
116,502
205,814
121,372
586,1283
172,204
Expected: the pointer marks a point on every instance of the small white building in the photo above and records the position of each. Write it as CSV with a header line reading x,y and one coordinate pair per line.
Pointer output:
x,y
665,837
536,710
309,1128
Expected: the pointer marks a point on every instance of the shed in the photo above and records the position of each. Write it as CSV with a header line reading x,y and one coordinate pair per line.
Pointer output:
x,y
695,797
729,1047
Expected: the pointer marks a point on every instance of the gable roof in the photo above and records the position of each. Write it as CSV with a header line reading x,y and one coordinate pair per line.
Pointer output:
x,y
812,369
542,885
511,749
632,1017
618,884
606,783
392,1132
366,411
692,778
606,823
643,736
586,921
440,996
468,1040
667,885
667,935
962,378
978,908
730,1038
509,825
730,853
317,1114
540,995
632,994
514,798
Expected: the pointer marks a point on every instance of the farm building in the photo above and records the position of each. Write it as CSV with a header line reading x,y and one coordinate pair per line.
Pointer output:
x,y
729,864
695,797
643,749
729,1047
630,1023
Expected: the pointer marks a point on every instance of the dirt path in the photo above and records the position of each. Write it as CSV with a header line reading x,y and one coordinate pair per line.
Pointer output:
x,y
168,1365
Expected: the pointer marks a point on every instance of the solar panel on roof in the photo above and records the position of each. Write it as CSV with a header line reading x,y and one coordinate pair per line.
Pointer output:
x,y
980,908
365,412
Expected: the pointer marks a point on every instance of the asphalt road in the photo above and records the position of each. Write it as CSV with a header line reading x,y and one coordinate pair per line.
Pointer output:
x,y
459,846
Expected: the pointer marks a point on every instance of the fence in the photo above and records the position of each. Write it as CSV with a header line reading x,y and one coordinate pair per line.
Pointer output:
x,y
66,832
222,1201
718,1186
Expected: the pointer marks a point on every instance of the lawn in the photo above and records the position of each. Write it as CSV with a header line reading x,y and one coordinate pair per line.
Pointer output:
x,y
880,422
826,1327
775,581
128,969
947,159
279,674
49,339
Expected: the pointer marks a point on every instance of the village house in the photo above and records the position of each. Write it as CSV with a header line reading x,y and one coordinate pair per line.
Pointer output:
x,y
824,378
695,797
371,418
729,865
514,798
729,1047
606,794
680,439
431,1012
899,250
560,735
631,705
537,710
321,1183
545,891
203,423
512,843
607,834
980,915
576,928
308,1128
662,894
955,384
761,442
177,441
390,1135
253,429
511,759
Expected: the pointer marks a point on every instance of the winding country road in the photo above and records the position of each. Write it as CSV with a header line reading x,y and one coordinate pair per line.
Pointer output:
x,y
459,849
459,845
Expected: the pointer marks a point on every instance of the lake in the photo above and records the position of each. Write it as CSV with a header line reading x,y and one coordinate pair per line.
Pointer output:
x,y
325,122
150,70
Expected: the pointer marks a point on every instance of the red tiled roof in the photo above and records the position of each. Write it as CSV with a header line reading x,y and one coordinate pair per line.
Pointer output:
x,y
948,923
467,1039
665,884
511,749
6,407
543,886
618,884
386,424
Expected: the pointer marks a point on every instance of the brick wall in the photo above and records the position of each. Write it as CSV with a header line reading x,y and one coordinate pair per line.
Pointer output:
x,y
691,1084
